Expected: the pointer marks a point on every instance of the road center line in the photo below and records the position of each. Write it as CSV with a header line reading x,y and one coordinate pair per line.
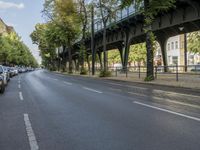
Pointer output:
x,y
19,86
21,96
168,111
31,136
55,79
93,90
68,83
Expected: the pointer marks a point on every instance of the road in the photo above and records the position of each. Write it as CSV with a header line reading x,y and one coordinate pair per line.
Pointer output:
x,y
49,111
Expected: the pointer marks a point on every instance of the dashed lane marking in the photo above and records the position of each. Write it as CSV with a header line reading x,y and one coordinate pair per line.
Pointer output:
x,y
93,90
68,83
30,133
21,96
166,100
168,111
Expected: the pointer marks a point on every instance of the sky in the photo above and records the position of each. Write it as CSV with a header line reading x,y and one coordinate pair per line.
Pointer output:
x,y
23,15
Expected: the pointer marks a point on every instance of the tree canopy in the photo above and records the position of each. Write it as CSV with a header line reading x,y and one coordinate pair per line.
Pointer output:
x,y
14,52
194,42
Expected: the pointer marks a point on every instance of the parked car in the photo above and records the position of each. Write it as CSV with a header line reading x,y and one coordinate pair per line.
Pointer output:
x,y
4,74
15,71
7,73
2,86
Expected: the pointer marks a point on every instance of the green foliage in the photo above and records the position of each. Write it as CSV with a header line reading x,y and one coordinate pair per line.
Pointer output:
x,y
14,52
104,73
61,30
83,71
114,57
138,53
194,42
149,78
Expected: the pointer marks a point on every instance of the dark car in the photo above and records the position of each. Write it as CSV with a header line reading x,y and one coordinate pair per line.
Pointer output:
x,y
2,86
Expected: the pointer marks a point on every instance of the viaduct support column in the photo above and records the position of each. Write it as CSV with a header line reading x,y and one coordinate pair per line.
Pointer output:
x,y
126,52
100,59
163,44
121,52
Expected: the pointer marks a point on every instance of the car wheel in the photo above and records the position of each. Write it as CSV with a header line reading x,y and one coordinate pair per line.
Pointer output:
x,y
2,88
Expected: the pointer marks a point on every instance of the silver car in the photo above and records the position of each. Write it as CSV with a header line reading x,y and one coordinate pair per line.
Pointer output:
x,y
4,74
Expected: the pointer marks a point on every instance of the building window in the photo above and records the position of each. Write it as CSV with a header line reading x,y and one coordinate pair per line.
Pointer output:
x,y
176,44
169,59
175,60
172,45
168,47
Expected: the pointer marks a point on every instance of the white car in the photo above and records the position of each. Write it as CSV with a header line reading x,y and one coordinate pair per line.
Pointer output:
x,y
4,75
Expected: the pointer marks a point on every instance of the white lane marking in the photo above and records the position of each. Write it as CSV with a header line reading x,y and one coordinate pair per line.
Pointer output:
x,y
55,79
31,136
19,81
166,100
68,83
21,96
176,102
93,90
175,94
19,86
168,111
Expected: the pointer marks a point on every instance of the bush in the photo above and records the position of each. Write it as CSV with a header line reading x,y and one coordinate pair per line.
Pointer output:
x,y
150,78
70,72
105,73
83,71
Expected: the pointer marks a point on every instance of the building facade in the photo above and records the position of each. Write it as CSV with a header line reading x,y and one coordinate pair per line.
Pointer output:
x,y
175,53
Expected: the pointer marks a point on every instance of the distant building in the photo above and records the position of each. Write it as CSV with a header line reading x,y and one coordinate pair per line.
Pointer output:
x,y
4,29
175,53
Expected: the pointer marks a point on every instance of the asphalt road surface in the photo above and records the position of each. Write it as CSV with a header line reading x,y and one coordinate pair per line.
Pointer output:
x,y
49,111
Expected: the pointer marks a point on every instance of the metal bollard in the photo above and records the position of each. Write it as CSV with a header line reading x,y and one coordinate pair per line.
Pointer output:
x,y
156,72
176,72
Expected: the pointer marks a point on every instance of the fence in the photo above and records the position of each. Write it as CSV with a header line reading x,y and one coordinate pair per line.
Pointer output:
x,y
168,73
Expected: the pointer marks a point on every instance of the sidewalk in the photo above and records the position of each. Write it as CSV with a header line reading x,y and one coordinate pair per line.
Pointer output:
x,y
164,80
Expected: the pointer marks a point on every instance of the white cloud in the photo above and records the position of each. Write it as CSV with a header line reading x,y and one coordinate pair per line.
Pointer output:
x,y
7,5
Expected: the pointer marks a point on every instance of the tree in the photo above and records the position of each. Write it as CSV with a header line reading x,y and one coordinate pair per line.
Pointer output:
x,y
14,52
113,57
194,42
106,10
43,37
64,17
84,21
151,9
138,53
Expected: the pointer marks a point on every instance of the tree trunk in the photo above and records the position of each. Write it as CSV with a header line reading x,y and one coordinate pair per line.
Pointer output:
x,y
104,49
70,60
150,68
88,62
